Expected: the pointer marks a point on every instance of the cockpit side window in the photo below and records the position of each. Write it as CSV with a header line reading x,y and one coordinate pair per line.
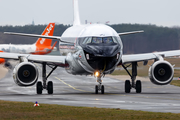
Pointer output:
x,y
115,40
87,40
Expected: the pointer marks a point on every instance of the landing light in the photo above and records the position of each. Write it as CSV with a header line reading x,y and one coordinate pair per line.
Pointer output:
x,y
97,74
117,56
87,56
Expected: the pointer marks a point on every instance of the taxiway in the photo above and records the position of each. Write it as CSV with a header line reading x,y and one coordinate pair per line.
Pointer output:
x,y
80,91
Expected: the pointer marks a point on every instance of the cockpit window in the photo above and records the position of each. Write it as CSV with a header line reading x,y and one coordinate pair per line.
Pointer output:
x,y
115,39
98,40
108,40
87,40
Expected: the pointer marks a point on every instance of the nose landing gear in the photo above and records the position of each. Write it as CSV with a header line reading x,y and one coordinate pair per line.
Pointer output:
x,y
99,87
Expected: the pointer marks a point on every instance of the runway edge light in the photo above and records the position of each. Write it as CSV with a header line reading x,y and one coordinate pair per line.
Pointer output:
x,y
36,104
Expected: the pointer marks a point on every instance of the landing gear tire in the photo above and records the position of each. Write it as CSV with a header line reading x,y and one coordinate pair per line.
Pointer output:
x,y
39,87
127,86
96,89
102,89
138,86
50,87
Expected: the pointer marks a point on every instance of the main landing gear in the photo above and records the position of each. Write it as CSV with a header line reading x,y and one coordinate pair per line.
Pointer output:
x,y
48,86
99,87
136,85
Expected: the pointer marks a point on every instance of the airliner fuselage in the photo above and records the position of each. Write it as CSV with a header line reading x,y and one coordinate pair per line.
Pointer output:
x,y
97,48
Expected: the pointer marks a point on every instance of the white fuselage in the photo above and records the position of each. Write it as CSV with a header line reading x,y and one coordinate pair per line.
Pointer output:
x,y
78,60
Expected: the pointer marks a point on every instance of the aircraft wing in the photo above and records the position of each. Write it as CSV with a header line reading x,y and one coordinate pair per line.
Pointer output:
x,y
148,56
133,32
35,35
35,58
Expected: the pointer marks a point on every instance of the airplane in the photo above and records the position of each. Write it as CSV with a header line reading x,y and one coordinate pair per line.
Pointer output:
x,y
98,50
41,47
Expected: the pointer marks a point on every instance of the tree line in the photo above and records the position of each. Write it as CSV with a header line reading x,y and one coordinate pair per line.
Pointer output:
x,y
154,38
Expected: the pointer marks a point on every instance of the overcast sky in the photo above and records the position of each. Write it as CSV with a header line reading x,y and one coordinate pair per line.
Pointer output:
x,y
159,12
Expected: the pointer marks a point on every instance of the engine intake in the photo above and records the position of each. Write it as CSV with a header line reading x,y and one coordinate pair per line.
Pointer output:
x,y
25,74
161,73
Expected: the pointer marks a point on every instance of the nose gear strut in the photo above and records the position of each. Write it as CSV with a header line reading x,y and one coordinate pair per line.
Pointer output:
x,y
99,87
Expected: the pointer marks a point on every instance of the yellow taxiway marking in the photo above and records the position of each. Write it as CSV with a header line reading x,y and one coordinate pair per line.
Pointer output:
x,y
65,82
70,85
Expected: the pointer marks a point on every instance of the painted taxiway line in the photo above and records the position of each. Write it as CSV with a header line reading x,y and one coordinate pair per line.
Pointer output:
x,y
64,82
70,85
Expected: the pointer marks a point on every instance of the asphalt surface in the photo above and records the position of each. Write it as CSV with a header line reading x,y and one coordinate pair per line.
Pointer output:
x,y
80,91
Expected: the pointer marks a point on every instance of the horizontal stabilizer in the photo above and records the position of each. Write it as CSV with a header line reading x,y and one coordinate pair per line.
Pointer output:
x,y
133,32
35,35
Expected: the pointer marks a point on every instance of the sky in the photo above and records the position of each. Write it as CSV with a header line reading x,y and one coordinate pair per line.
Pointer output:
x,y
158,12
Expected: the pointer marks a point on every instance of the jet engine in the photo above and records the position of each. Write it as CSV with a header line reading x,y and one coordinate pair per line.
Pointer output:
x,y
161,73
25,74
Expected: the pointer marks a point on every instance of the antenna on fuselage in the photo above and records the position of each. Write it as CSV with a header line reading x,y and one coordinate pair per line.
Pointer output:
x,y
76,13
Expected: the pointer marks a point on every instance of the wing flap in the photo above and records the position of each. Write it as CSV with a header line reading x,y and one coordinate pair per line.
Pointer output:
x,y
137,58
35,35
148,56
35,58
47,58
169,53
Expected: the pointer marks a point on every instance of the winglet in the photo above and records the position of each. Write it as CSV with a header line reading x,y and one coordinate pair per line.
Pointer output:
x,y
76,13
133,32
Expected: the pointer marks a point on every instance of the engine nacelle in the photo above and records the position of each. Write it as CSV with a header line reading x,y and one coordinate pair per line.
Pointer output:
x,y
25,74
161,73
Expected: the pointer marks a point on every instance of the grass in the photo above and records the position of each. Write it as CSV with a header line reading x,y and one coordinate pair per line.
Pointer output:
x,y
175,82
26,111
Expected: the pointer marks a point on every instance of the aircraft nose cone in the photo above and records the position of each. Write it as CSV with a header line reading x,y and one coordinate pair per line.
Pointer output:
x,y
103,50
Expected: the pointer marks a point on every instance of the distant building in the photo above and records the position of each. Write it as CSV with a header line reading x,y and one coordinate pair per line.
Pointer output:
x,y
33,22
